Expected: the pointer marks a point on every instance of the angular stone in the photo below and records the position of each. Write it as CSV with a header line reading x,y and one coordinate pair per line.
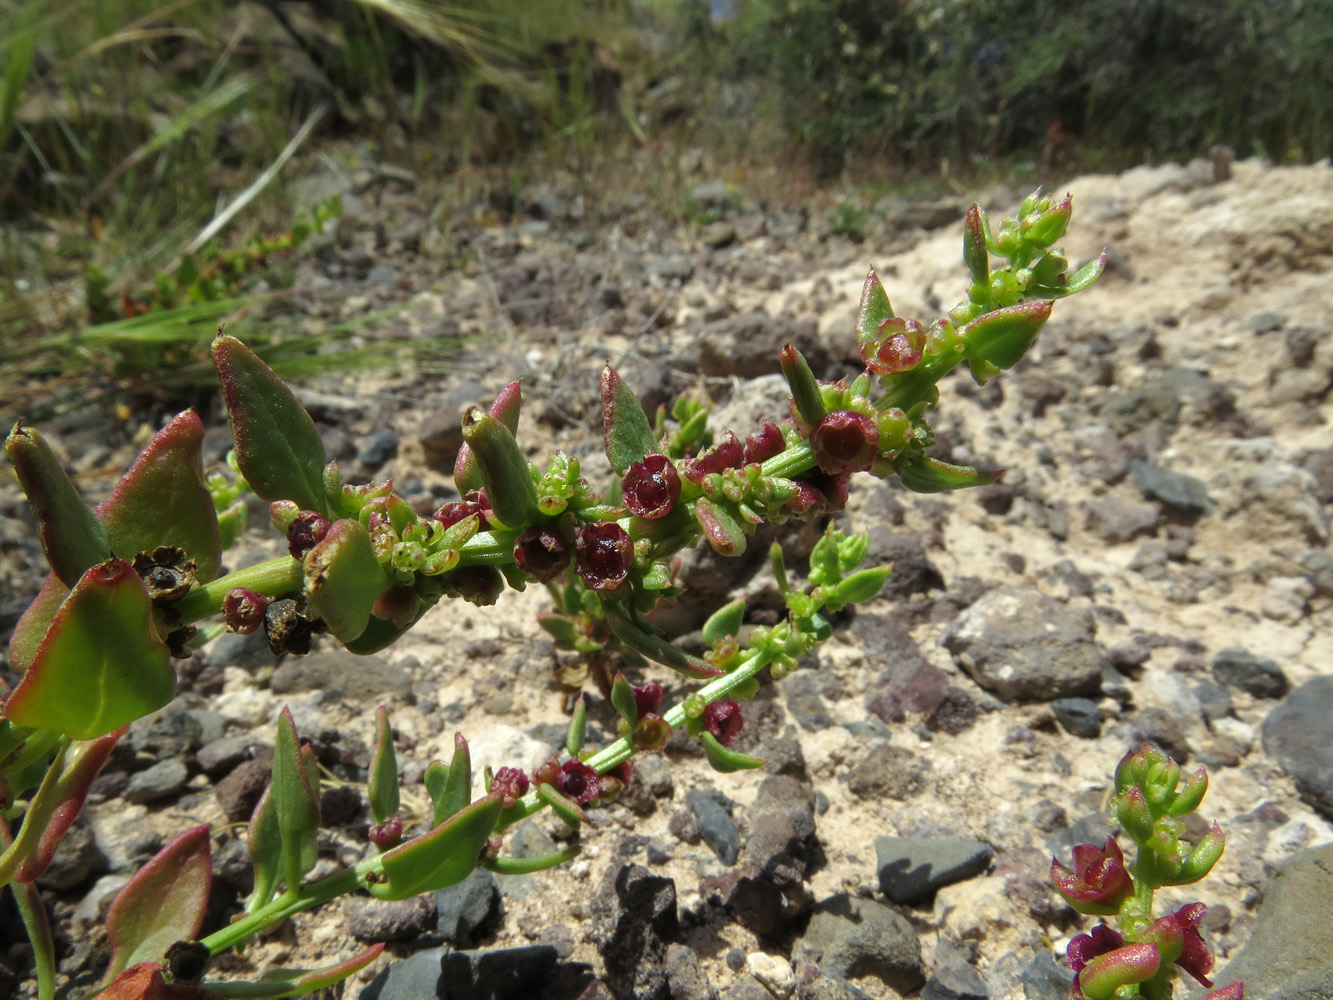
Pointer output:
x,y
1177,491
466,907
715,824
1079,716
1253,674
860,938
633,920
1296,732
912,869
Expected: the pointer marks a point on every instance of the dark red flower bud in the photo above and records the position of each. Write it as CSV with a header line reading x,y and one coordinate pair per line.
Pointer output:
x,y
1195,958
764,443
1085,947
818,493
511,784
647,697
651,487
605,555
243,610
475,502
479,585
622,772
542,552
898,346
723,720
305,532
1098,882
578,781
725,454
547,773
845,441
387,834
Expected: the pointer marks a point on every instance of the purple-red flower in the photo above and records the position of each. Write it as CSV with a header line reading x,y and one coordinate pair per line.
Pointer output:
x,y
726,453
542,552
510,783
1183,927
650,733
897,346
305,532
845,441
650,487
387,834
647,698
764,443
479,585
578,781
243,610
1085,947
1098,882
605,555
475,502
723,719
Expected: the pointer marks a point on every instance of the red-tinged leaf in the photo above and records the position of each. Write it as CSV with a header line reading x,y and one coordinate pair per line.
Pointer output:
x,y
295,802
144,982
807,400
58,803
162,499
720,527
278,449
451,788
875,308
34,623
293,982
504,470
930,475
265,841
540,863
343,579
101,664
72,536
505,408
163,903
626,432
441,858
974,245
382,784
640,635
1002,337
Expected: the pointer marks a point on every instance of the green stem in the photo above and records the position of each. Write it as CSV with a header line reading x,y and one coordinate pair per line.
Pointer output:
x,y
272,579
289,903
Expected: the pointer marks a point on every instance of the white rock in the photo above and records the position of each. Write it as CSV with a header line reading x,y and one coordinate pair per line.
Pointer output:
x,y
773,972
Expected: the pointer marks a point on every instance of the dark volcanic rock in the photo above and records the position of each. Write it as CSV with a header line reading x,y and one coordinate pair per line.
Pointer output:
x,y
633,920
373,920
853,938
887,771
715,824
1256,675
1180,493
911,869
1296,732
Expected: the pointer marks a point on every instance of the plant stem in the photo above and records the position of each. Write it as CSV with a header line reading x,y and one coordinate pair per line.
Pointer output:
x,y
288,904
272,579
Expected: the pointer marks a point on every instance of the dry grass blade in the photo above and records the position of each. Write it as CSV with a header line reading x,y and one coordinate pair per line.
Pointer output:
x,y
457,29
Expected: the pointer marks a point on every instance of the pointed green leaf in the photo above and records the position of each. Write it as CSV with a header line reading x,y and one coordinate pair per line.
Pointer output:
x,y
380,634
451,789
163,903
720,526
281,982
382,784
930,475
726,761
295,802
806,397
1086,275
639,634
265,841
526,866
560,628
278,449
725,621
622,699
343,579
441,858
857,588
72,536
974,246
103,645
505,408
163,500
505,471
34,622
578,727
56,805
626,433
875,308
563,806
1002,337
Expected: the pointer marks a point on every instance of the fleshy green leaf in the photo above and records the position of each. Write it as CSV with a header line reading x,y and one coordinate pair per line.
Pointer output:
x,y
34,623
505,408
295,802
639,634
382,784
1002,337
451,789
526,866
626,432
563,806
103,646
578,727
278,449
726,761
806,396
292,982
163,903
622,699
874,310
725,621
441,858
560,628
73,537
930,475
163,500
343,579
720,526
1085,275
380,634
857,588
504,470
974,245
265,842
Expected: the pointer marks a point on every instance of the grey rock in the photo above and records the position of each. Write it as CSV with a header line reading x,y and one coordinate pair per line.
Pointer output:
x,y
238,793
717,235
171,732
1115,521
861,938
716,827
1319,463
747,344
686,978
381,446
1079,716
1024,645
812,983
497,973
913,572
1296,732
360,678
887,771
654,770
231,649
955,981
912,869
372,920
163,780
467,907
633,920
804,702
1289,955
1045,979
1253,674
221,756
1177,491
672,268
416,977
529,841
382,274
76,860
746,987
